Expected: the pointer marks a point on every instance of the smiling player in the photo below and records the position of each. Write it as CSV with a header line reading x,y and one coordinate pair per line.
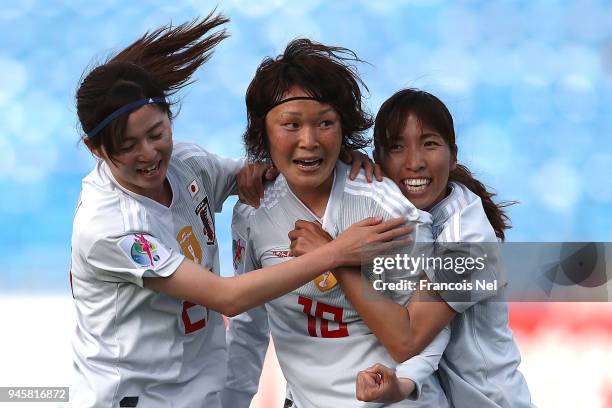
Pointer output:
x,y
415,145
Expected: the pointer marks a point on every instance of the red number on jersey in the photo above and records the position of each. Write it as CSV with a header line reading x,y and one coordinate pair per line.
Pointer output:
x,y
190,326
307,303
320,310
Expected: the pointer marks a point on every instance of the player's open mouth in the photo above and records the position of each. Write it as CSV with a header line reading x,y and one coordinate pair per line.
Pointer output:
x,y
151,170
415,185
308,164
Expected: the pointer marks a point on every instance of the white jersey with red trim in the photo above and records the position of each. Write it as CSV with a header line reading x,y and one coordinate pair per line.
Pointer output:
x,y
320,340
134,347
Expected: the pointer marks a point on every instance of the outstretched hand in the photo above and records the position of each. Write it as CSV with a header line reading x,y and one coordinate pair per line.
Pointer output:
x,y
367,238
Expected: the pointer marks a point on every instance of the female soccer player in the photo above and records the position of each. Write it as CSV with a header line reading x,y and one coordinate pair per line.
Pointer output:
x,y
303,107
415,145
144,265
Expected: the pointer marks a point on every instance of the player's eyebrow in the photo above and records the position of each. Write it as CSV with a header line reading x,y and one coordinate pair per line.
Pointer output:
x,y
291,113
300,114
426,135
150,130
155,126
325,111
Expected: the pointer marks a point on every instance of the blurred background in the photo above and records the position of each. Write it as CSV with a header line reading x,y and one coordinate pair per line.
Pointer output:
x,y
529,84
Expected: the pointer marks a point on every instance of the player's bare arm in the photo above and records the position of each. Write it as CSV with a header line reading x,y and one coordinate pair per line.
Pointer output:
x,y
234,295
404,330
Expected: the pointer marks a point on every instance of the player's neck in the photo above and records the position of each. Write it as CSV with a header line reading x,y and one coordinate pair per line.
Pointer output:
x,y
315,198
164,196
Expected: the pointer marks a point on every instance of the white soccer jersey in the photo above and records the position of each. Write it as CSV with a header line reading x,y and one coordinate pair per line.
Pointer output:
x,y
480,365
134,347
320,340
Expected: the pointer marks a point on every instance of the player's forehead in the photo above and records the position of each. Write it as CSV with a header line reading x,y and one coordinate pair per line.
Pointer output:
x,y
298,103
304,109
145,120
415,127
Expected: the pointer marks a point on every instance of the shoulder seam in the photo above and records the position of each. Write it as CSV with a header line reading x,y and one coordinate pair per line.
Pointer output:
x,y
383,194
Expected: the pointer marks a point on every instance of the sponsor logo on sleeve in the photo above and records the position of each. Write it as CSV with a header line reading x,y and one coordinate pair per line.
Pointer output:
x,y
238,251
325,281
143,250
203,211
190,247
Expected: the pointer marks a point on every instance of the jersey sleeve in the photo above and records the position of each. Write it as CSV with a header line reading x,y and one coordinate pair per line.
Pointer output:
x,y
130,257
217,173
248,333
472,238
424,364
222,172
389,202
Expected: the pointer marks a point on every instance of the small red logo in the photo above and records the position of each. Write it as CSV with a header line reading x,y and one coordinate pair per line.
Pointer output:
x,y
282,254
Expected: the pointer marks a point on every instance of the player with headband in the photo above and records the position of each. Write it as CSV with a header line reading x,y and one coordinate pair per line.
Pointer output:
x,y
303,107
144,264
415,145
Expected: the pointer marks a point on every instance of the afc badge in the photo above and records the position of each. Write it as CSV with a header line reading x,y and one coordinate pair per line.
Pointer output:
x,y
238,251
189,244
143,250
325,281
203,211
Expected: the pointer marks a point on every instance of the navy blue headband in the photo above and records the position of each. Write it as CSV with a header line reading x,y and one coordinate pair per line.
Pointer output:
x,y
124,109
294,98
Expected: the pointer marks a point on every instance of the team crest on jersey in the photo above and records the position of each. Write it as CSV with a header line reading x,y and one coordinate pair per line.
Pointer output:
x,y
189,244
203,211
238,251
282,254
143,250
325,281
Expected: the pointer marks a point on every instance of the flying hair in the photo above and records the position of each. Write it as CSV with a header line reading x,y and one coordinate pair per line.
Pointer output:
x,y
172,54
157,65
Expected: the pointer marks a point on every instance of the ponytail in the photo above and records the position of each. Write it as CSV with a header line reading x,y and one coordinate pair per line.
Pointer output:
x,y
155,66
494,211
171,54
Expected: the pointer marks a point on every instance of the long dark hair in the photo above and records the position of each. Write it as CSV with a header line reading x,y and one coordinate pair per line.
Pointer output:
x,y
431,111
325,73
156,65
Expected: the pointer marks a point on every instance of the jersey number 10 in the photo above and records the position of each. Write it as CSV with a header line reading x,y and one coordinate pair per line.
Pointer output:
x,y
323,323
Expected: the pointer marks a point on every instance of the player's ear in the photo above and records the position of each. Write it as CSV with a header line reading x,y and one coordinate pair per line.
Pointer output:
x,y
94,150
